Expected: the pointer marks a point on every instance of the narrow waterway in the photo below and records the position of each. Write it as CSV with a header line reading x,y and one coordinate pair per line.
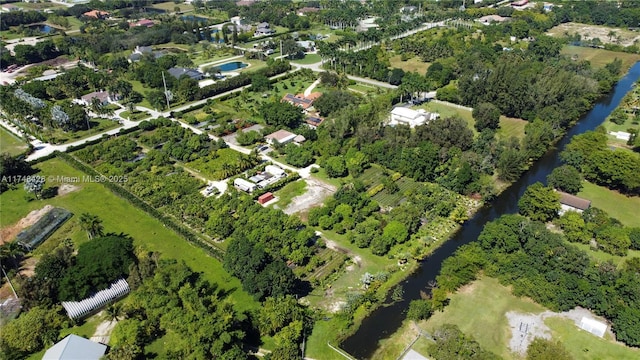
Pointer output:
x,y
385,320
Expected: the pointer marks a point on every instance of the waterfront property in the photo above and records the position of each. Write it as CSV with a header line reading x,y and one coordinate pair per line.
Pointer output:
x,y
570,202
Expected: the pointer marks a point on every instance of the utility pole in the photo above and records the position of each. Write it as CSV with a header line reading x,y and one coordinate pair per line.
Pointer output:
x,y
281,53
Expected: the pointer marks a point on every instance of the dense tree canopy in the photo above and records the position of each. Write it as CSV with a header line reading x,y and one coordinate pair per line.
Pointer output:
x,y
539,203
566,178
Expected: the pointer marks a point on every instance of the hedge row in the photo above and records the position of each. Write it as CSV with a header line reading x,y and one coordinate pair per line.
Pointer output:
x,y
278,67
181,230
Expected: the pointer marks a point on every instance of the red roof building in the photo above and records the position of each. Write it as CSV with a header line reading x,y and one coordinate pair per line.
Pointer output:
x,y
142,22
264,198
97,14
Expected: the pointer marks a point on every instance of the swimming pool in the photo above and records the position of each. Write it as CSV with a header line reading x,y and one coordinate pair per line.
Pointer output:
x,y
232,66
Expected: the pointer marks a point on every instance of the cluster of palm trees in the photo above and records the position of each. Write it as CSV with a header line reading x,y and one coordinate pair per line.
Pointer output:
x,y
244,162
92,225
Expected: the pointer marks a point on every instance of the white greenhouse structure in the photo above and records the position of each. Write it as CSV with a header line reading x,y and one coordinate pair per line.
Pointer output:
x,y
78,309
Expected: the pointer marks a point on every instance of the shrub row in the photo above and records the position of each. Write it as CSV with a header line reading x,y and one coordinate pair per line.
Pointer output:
x,y
278,67
181,230
374,190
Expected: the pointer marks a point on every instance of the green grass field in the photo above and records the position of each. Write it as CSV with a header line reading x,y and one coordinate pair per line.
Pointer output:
x,y
511,127
170,5
308,59
602,256
482,306
600,57
138,87
117,216
479,310
623,208
10,143
411,65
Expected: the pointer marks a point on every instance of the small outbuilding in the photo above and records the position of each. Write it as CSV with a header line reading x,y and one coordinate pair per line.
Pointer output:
x,y
244,185
265,198
79,309
74,347
595,327
275,171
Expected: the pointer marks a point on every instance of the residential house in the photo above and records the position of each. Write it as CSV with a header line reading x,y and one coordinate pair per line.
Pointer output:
x,y
405,116
245,2
305,102
313,121
104,96
97,14
142,22
489,19
140,51
280,137
178,72
307,45
570,202
263,29
306,10
408,9
10,8
240,24
74,347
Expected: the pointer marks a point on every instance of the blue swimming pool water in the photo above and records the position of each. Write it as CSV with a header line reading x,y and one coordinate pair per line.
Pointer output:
x,y
232,66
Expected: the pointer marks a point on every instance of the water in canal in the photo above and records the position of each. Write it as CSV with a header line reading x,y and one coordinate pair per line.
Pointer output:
x,y
384,321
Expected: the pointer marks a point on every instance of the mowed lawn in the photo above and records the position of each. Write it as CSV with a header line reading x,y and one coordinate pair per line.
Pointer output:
x,y
411,65
118,216
479,310
10,143
624,208
308,59
508,126
600,57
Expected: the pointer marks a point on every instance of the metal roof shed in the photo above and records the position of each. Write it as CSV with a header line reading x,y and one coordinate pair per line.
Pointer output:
x,y
78,309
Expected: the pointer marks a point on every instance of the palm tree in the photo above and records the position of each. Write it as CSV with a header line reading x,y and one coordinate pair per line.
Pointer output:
x,y
611,34
91,224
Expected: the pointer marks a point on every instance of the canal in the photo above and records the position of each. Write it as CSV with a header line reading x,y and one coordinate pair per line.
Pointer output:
x,y
385,320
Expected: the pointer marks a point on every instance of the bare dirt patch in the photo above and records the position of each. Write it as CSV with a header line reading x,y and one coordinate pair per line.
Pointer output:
x,y
526,327
316,192
622,37
469,288
67,188
9,233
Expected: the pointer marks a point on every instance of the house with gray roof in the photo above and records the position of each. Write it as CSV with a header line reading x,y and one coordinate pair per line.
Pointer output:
x,y
179,72
74,347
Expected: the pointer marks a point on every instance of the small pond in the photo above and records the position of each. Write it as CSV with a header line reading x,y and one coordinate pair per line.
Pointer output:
x,y
232,66
45,29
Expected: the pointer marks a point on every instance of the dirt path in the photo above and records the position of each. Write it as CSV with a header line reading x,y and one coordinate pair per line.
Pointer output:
x,y
103,331
9,233
316,192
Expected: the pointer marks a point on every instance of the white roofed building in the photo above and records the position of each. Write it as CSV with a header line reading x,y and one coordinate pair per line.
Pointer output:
x,y
412,118
79,309
74,347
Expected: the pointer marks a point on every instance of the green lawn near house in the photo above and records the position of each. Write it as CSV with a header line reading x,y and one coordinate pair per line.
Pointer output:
x,y
10,143
624,208
308,59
